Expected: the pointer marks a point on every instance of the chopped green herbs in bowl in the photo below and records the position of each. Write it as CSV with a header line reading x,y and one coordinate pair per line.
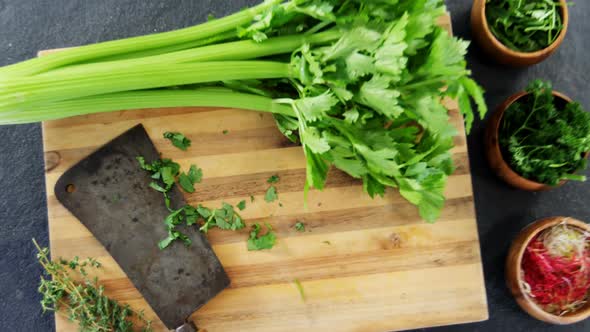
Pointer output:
x,y
544,137
525,26
519,32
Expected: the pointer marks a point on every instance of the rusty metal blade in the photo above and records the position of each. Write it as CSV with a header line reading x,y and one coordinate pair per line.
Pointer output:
x,y
110,195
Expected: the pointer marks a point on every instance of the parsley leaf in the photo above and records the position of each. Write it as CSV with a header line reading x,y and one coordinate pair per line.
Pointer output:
x,y
261,242
241,205
167,176
186,183
195,174
163,169
225,218
299,226
157,187
166,242
174,219
178,140
271,195
273,179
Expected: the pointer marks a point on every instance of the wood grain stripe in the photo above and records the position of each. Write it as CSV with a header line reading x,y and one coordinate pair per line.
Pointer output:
x,y
346,265
368,303
333,198
379,251
193,124
328,267
344,220
403,238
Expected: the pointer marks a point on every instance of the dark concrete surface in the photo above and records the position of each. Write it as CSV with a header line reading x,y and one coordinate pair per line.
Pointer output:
x,y
30,25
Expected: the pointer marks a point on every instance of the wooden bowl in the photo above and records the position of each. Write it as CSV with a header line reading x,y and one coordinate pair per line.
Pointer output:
x,y
494,153
502,54
514,272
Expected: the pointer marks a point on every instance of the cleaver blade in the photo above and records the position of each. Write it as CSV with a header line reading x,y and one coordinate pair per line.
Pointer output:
x,y
110,194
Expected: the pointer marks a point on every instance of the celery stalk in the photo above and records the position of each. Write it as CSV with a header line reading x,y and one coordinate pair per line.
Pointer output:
x,y
231,34
202,97
239,50
134,44
21,93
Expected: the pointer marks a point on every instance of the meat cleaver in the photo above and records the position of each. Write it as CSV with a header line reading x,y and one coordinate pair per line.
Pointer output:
x,y
109,193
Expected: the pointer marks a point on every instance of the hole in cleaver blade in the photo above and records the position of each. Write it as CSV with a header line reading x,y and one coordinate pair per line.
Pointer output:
x,y
112,198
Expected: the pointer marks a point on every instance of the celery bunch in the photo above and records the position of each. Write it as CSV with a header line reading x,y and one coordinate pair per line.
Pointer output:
x,y
358,83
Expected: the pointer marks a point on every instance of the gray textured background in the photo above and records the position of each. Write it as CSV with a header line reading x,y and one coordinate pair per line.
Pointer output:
x,y
30,25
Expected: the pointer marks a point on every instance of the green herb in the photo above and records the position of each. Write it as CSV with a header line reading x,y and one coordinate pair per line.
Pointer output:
x,y
166,171
224,218
545,140
271,195
68,290
273,179
173,220
261,242
178,140
225,132
195,174
241,205
359,84
157,187
299,226
251,199
163,171
187,181
525,26
327,242
300,289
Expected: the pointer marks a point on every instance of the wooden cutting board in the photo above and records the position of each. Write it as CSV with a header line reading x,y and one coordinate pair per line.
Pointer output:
x,y
365,264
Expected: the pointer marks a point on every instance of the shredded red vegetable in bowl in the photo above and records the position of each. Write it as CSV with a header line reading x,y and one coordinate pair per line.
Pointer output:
x,y
556,268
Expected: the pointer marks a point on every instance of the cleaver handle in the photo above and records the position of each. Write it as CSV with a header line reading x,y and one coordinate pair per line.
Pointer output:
x,y
187,327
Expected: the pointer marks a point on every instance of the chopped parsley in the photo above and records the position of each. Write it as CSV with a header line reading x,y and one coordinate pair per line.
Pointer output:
x,y
178,140
271,195
187,181
299,226
273,179
261,242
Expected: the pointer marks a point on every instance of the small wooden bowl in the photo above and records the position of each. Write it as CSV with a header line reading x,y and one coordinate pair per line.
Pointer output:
x,y
514,272
502,54
494,153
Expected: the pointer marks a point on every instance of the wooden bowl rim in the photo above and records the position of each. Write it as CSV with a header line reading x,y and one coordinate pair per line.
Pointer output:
x,y
501,110
526,55
532,230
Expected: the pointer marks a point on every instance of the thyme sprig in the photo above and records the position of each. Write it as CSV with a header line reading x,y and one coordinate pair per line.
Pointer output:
x,y
68,290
